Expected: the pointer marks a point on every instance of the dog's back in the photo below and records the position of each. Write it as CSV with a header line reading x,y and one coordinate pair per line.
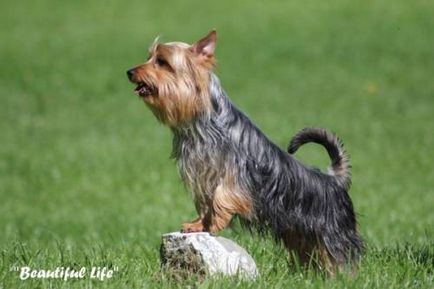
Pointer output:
x,y
309,210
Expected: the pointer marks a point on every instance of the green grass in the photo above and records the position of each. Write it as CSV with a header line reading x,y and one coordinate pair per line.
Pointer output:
x,y
85,178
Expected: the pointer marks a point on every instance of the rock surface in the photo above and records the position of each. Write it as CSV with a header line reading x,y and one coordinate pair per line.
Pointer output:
x,y
202,253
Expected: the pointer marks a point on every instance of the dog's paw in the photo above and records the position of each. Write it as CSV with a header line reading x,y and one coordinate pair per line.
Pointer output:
x,y
192,227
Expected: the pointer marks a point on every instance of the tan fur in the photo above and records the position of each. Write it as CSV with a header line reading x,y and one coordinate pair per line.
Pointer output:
x,y
218,212
194,226
309,255
181,85
326,262
228,201
175,83
180,75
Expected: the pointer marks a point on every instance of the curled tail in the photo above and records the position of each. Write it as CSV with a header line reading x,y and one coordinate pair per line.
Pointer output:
x,y
340,167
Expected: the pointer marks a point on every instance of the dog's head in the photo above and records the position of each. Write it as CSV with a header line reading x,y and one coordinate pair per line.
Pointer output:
x,y
174,82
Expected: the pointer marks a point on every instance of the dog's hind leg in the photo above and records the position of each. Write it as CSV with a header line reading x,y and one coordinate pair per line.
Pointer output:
x,y
307,253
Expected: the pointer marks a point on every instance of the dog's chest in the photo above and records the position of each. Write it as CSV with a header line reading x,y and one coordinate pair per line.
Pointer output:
x,y
201,167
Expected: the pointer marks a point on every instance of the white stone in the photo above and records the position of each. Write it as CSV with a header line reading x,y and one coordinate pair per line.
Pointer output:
x,y
206,253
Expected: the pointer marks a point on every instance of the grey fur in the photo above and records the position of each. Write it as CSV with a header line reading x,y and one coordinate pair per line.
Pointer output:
x,y
288,197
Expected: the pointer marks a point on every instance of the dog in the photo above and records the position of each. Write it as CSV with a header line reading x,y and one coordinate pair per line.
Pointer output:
x,y
233,169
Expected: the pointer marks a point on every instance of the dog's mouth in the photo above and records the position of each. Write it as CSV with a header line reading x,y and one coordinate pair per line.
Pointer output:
x,y
143,89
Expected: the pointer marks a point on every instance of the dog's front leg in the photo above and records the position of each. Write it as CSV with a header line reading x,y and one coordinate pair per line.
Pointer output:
x,y
214,214
218,211
218,220
214,220
194,226
225,204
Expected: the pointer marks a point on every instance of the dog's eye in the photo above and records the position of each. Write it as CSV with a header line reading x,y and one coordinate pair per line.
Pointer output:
x,y
161,62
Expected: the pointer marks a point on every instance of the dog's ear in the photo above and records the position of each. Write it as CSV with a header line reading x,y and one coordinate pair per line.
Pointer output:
x,y
205,47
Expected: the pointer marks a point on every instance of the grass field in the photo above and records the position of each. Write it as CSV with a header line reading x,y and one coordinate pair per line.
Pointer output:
x,y
85,174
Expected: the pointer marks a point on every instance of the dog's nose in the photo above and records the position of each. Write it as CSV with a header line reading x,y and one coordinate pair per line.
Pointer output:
x,y
130,73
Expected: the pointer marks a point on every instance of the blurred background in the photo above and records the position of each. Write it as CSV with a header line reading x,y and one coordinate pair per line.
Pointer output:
x,y
84,166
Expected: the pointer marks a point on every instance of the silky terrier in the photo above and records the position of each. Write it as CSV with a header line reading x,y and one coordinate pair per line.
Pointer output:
x,y
233,169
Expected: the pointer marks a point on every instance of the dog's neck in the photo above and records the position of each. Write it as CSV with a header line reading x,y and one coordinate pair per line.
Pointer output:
x,y
201,147
207,129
